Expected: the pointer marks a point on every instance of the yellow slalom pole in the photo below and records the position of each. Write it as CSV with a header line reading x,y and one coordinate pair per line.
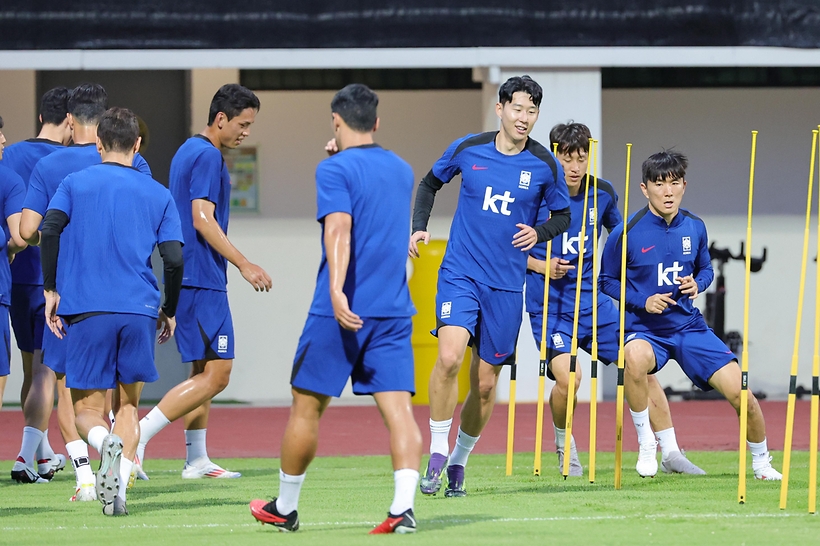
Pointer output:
x,y
619,404
787,444
573,355
815,380
542,360
593,370
744,368
511,416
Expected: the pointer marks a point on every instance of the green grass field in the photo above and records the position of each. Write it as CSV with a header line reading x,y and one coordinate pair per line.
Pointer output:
x,y
344,497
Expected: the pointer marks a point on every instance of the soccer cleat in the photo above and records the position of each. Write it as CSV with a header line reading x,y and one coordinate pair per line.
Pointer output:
x,y
575,467
430,483
108,475
455,481
138,471
23,473
116,508
84,493
766,472
677,463
402,524
46,468
647,465
204,468
266,512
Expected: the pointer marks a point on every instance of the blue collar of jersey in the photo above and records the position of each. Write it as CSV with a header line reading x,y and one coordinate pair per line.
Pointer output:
x,y
659,220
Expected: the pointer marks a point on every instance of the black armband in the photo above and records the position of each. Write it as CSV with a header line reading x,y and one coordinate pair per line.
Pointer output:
x,y
53,225
171,254
557,224
425,197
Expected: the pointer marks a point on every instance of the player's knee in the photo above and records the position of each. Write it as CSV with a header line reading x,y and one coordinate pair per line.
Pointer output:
x,y
449,362
486,389
638,358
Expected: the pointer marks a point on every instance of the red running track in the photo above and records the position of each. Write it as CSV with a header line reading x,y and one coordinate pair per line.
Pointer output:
x,y
358,430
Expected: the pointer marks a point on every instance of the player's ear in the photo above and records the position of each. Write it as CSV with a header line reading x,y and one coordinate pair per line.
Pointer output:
x,y
100,148
499,108
137,144
376,125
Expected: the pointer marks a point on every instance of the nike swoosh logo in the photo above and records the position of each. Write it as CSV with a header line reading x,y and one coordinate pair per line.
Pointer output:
x,y
500,355
477,168
645,250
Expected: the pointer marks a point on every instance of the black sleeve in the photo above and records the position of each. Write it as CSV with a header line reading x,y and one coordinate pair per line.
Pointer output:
x,y
171,253
53,225
425,197
557,224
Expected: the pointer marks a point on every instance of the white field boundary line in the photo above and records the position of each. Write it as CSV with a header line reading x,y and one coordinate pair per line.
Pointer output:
x,y
455,520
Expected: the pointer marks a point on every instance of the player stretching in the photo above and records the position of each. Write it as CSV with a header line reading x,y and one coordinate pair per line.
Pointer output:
x,y
86,105
117,212
201,186
667,266
359,324
27,302
505,176
573,148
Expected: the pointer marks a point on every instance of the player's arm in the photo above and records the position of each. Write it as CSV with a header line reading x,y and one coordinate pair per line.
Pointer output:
x,y
206,225
609,280
425,198
558,266
173,266
29,226
16,243
528,236
337,250
53,226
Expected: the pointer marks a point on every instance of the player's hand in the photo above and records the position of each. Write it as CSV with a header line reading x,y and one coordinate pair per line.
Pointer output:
x,y
658,303
10,253
54,323
344,316
526,237
166,326
413,249
688,286
559,268
257,276
331,147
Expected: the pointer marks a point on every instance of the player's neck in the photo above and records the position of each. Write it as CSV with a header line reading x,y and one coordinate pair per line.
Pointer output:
x,y
668,217
84,134
51,132
211,133
351,139
126,159
508,146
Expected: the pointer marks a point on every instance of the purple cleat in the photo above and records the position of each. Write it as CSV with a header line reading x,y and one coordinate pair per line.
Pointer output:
x,y
455,481
431,482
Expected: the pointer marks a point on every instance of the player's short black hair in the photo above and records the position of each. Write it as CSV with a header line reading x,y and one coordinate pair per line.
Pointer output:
x,y
231,100
87,103
54,105
356,104
118,130
1,122
523,84
668,164
570,137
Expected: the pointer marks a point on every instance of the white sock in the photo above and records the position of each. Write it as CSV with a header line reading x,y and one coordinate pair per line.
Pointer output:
x,y
560,437
28,448
440,436
464,445
150,425
111,418
668,441
760,453
78,453
125,475
195,445
96,436
406,479
642,426
44,450
289,489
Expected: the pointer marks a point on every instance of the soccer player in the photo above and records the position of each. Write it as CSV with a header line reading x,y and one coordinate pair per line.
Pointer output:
x,y
12,191
117,212
667,267
359,323
573,148
27,302
86,105
505,177
201,186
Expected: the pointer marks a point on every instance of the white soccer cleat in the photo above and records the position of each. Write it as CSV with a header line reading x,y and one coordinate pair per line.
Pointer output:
x,y
204,468
136,473
767,472
23,473
677,463
46,468
647,465
84,493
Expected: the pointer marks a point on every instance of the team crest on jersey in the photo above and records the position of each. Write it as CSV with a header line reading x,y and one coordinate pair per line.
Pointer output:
x,y
687,245
446,307
557,341
591,216
222,344
524,181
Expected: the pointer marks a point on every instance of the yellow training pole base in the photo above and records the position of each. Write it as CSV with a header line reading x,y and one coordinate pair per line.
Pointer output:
x,y
815,403
539,427
593,420
570,411
511,421
744,406
619,429
787,446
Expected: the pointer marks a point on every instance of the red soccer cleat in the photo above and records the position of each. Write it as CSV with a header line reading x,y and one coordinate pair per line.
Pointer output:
x,y
401,524
266,512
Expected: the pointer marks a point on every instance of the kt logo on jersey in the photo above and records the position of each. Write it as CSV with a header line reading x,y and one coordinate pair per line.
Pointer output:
x,y
490,201
663,274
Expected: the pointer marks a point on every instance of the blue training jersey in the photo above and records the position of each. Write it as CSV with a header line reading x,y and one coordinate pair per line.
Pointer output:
x,y
21,157
117,216
375,187
497,192
566,246
656,254
198,171
12,191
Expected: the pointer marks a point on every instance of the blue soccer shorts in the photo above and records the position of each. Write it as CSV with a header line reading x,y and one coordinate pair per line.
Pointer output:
x,y
28,316
54,349
204,325
377,358
698,351
492,316
5,359
111,348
